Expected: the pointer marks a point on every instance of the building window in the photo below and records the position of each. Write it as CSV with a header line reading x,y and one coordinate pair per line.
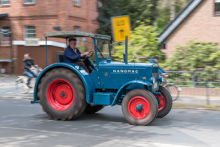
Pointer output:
x,y
163,46
29,32
217,7
76,28
5,2
5,36
76,2
29,1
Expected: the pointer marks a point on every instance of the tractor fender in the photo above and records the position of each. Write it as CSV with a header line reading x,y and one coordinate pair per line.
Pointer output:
x,y
135,83
86,79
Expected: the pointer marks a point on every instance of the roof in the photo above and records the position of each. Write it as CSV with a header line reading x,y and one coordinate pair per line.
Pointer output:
x,y
69,34
3,14
192,4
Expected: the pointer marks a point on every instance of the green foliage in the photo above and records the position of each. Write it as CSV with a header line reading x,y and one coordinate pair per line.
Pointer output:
x,y
142,45
136,9
164,13
195,57
163,19
215,58
155,11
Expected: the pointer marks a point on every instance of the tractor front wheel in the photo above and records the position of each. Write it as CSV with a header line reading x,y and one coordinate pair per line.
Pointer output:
x,y
62,94
139,107
165,102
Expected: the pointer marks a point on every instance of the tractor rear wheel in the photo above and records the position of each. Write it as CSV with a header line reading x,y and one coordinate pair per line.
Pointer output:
x,y
62,94
165,102
93,109
139,107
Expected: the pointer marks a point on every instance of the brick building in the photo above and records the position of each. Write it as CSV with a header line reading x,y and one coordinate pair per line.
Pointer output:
x,y
199,20
23,20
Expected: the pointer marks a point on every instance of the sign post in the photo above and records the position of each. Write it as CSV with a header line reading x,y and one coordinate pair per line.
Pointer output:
x,y
121,27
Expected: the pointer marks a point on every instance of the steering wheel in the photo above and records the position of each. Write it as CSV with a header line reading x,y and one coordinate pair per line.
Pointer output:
x,y
88,62
91,53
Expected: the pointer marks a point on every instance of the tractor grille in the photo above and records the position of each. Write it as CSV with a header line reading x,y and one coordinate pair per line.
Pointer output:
x,y
155,74
155,69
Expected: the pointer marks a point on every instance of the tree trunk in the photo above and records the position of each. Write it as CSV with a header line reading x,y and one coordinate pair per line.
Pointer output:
x,y
173,10
164,3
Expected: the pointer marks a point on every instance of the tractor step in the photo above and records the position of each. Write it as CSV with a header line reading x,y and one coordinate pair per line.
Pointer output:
x,y
103,98
34,102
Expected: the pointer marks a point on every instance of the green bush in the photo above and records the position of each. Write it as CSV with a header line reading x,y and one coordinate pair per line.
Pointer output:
x,y
142,45
195,57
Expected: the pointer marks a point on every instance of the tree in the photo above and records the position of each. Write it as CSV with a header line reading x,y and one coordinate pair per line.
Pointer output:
x,y
167,10
173,10
142,45
136,9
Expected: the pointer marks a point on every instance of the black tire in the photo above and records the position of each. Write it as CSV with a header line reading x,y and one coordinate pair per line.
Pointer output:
x,y
166,99
73,90
144,98
93,109
173,91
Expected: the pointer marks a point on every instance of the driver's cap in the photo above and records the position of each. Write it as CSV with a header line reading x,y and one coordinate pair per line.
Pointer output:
x,y
156,57
72,39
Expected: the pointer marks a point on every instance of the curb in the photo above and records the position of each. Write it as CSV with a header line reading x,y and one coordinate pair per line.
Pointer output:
x,y
199,106
196,108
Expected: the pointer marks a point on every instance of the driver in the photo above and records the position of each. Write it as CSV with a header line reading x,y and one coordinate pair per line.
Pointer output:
x,y
73,55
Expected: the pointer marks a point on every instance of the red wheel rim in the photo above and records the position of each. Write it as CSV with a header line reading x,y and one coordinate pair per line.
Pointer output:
x,y
161,102
60,94
138,107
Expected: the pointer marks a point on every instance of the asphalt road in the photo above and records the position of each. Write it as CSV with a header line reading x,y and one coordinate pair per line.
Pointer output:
x,y
23,125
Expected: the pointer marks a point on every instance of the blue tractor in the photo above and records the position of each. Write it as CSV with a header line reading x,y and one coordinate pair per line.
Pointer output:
x,y
66,90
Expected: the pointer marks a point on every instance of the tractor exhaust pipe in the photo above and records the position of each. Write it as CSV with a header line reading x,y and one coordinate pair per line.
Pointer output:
x,y
126,49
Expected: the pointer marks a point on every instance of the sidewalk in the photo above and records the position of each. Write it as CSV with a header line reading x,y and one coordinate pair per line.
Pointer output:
x,y
8,90
197,102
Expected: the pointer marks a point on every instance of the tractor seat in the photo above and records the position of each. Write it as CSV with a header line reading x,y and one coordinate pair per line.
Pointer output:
x,y
59,56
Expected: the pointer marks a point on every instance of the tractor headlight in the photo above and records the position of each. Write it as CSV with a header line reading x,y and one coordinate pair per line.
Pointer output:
x,y
154,79
155,85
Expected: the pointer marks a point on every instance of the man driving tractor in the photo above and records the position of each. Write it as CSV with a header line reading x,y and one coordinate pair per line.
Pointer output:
x,y
73,55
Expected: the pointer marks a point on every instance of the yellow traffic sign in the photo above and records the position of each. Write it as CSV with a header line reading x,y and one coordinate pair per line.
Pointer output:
x,y
121,28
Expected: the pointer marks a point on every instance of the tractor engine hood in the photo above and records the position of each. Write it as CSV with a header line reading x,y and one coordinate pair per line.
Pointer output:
x,y
131,66
120,73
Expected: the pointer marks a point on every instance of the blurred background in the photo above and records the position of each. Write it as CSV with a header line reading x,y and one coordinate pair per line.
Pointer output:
x,y
184,34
